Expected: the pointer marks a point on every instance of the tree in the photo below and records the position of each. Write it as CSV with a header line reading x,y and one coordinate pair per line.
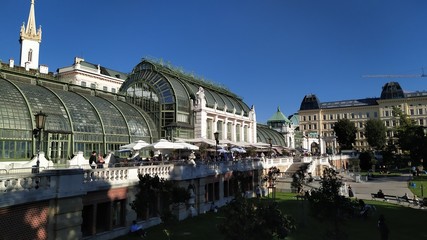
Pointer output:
x,y
375,132
245,219
346,133
298,178
411,137
366,160
327,204
156,195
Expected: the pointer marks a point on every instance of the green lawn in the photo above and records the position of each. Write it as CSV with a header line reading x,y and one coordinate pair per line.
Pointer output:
x,y
404,223
420,188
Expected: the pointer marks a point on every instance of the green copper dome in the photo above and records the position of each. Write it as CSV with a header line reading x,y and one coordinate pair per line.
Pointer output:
x,y
278,117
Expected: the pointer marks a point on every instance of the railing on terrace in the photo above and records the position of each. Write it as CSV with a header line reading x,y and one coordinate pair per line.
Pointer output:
x,y
26,179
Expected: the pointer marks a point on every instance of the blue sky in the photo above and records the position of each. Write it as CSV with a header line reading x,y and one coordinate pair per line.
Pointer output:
x,y
270,52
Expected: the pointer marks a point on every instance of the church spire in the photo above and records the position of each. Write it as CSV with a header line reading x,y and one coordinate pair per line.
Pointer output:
x,y
30,39
30,32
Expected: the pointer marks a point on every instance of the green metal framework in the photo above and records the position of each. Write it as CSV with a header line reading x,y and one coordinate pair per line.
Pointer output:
x,y
166,94
79,119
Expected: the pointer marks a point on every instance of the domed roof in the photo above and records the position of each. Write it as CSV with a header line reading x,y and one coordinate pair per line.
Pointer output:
x,y
278,117
392,90
309,102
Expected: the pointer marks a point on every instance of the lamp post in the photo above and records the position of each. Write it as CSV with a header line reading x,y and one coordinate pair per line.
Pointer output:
x,y
216,135
269,150
40,118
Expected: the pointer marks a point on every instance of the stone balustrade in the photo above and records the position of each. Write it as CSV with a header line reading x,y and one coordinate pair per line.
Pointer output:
x,y
61,182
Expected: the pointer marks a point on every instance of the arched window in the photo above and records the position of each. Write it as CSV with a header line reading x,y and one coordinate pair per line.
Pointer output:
x,y
30,55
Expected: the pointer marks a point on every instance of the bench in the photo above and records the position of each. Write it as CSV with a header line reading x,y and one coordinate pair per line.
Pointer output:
x,y
385,198
391,197
375,196
399,200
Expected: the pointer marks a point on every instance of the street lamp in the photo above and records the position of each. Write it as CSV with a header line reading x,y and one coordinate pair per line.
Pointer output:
x,y
269,150
40,118
216,135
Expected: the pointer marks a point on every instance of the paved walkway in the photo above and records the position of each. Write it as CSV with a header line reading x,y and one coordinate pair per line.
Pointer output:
x,y
397,186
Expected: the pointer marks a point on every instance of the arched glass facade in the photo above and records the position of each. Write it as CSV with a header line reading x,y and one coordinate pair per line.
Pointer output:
x,y
264,133
167,95
78,118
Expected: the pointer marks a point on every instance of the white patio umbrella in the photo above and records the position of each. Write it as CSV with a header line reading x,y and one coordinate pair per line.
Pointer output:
x,y
187,145
239,150
164,144
137,145
199,140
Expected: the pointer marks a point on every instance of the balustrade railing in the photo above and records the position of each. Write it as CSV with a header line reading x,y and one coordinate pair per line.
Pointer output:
x,y
24,183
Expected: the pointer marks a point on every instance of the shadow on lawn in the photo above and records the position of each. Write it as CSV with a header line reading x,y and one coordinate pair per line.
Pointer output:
x,y
403,222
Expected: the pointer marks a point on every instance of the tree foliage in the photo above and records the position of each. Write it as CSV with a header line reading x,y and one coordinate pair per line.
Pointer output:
x,y
299,177
366,160
151,190
346,133
245,219
375,132
327,204
271,176
411,137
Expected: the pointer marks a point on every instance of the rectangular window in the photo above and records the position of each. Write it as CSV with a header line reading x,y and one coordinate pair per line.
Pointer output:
x,y
113,90
209,129
375,114
324,116
420,111
229,130
105,88
412,112
93,85
118,213
331,117
245,133
315,117
83,84
238,127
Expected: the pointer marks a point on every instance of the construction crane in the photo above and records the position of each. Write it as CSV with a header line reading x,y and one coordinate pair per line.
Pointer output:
x,y
396,76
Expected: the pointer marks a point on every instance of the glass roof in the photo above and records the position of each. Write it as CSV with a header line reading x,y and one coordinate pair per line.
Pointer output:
x,y
138,130
112,119
83,114
264,133
41,99
14,112
155,80
184,85
70,112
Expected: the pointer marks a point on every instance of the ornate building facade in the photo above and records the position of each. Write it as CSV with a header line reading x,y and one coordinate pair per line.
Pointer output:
x,y
318,118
